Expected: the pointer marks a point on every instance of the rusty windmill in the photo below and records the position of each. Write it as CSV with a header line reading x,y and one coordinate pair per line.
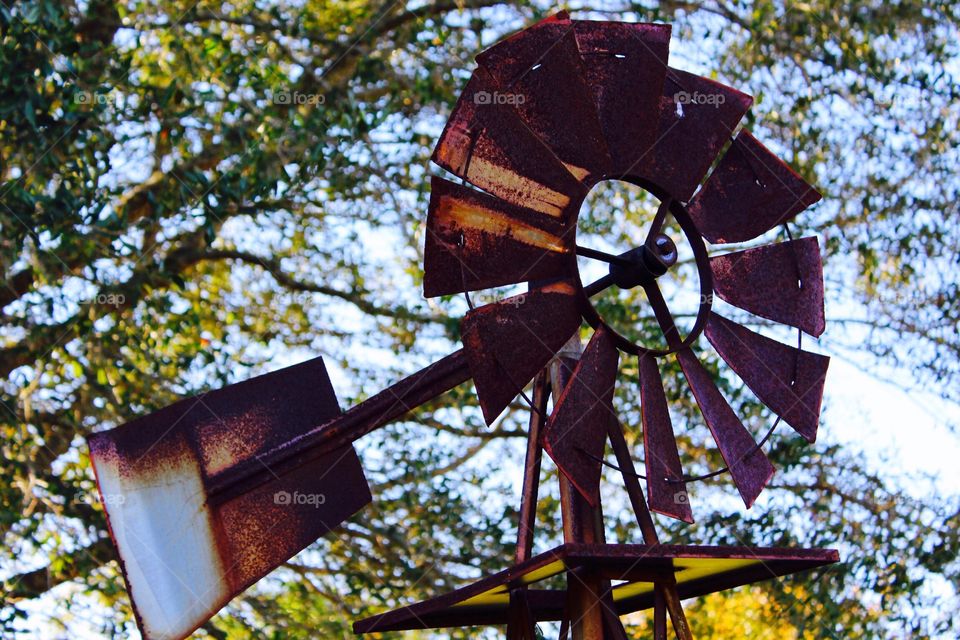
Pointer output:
x,y
549,113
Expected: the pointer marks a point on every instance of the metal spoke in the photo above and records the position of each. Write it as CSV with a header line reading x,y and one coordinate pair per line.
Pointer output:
x,y
657,223
603,256
597,286
663,315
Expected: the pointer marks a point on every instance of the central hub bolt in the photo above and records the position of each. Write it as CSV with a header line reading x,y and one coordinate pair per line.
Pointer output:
x,y
647,263
665,250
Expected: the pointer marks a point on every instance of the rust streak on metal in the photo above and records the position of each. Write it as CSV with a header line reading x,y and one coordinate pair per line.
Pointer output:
x,y
577,430
748,465
183,555
459,218
750,192
488,144
782,282
476,241
768,367
508,342
369,415
531,469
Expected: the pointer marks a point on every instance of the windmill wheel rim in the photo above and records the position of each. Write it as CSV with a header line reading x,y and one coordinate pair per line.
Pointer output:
x,y
701,257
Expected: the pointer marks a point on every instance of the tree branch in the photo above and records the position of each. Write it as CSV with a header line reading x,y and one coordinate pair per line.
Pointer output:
x,y
356,297
70,567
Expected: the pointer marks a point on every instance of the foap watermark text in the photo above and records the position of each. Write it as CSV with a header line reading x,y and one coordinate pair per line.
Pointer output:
x,y
286,498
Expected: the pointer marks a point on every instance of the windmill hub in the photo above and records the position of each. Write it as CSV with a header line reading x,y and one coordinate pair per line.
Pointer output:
x,y
646,263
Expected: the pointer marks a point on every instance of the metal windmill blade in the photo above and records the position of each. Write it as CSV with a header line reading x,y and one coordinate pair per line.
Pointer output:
x,y
697,118
626,66
781,282
580,418
750,192
486,143
666,490
766,365
508,342
465,227
660,128
540,74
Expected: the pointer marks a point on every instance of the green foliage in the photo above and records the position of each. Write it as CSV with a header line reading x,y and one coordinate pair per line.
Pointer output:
x,y
191,194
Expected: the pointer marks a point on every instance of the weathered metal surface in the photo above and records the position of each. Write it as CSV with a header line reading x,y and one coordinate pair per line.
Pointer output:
x,y
612,626
677,617
631,481
580,520
260,531
516,54
768,367
531,469
666,492
371,414
697,118
625,66
208,495
748,465
508,342
632,484
781,282
476,241
184,556
699,570
750,192
659,613
576,432
585,605
539,73
488,144
520,625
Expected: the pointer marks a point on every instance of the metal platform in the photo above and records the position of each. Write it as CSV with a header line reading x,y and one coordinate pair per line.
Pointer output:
x,y
632,570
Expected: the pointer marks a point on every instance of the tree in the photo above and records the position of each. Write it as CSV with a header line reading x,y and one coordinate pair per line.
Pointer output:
x,y
193,194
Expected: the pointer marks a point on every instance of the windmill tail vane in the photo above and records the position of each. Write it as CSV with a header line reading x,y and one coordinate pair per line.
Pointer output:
x,y
207,496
